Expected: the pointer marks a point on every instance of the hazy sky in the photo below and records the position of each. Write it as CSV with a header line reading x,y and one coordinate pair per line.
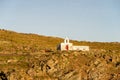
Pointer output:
x,y
90,20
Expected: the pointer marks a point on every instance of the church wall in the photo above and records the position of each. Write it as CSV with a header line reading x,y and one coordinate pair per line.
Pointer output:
x,y
82,48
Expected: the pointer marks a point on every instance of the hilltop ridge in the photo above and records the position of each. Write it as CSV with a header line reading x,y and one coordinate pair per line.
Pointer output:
x,y
15,42
10,40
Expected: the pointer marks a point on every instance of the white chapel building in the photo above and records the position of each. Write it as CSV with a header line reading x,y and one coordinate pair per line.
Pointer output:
x,y
66,45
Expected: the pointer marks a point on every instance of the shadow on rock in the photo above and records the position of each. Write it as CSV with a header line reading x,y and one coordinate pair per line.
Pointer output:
x,y
3,76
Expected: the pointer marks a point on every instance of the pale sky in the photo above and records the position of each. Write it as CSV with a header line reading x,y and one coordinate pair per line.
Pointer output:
x,y
90,20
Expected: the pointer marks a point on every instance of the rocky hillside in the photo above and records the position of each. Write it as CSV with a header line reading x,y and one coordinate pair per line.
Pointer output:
x,y
57,65
34,57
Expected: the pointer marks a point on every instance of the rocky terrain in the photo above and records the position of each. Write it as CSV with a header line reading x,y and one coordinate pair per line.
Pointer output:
x,y
21,58
57,65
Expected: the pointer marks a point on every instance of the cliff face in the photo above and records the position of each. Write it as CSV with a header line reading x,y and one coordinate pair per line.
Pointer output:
x,y
93,65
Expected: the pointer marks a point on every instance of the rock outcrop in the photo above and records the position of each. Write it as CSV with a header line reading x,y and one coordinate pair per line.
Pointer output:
x,y
57,65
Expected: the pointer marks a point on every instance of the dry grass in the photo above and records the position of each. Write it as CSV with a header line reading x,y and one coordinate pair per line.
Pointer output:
x,y
28,43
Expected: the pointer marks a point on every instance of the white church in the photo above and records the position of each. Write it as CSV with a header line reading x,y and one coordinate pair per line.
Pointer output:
x,y
66,45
